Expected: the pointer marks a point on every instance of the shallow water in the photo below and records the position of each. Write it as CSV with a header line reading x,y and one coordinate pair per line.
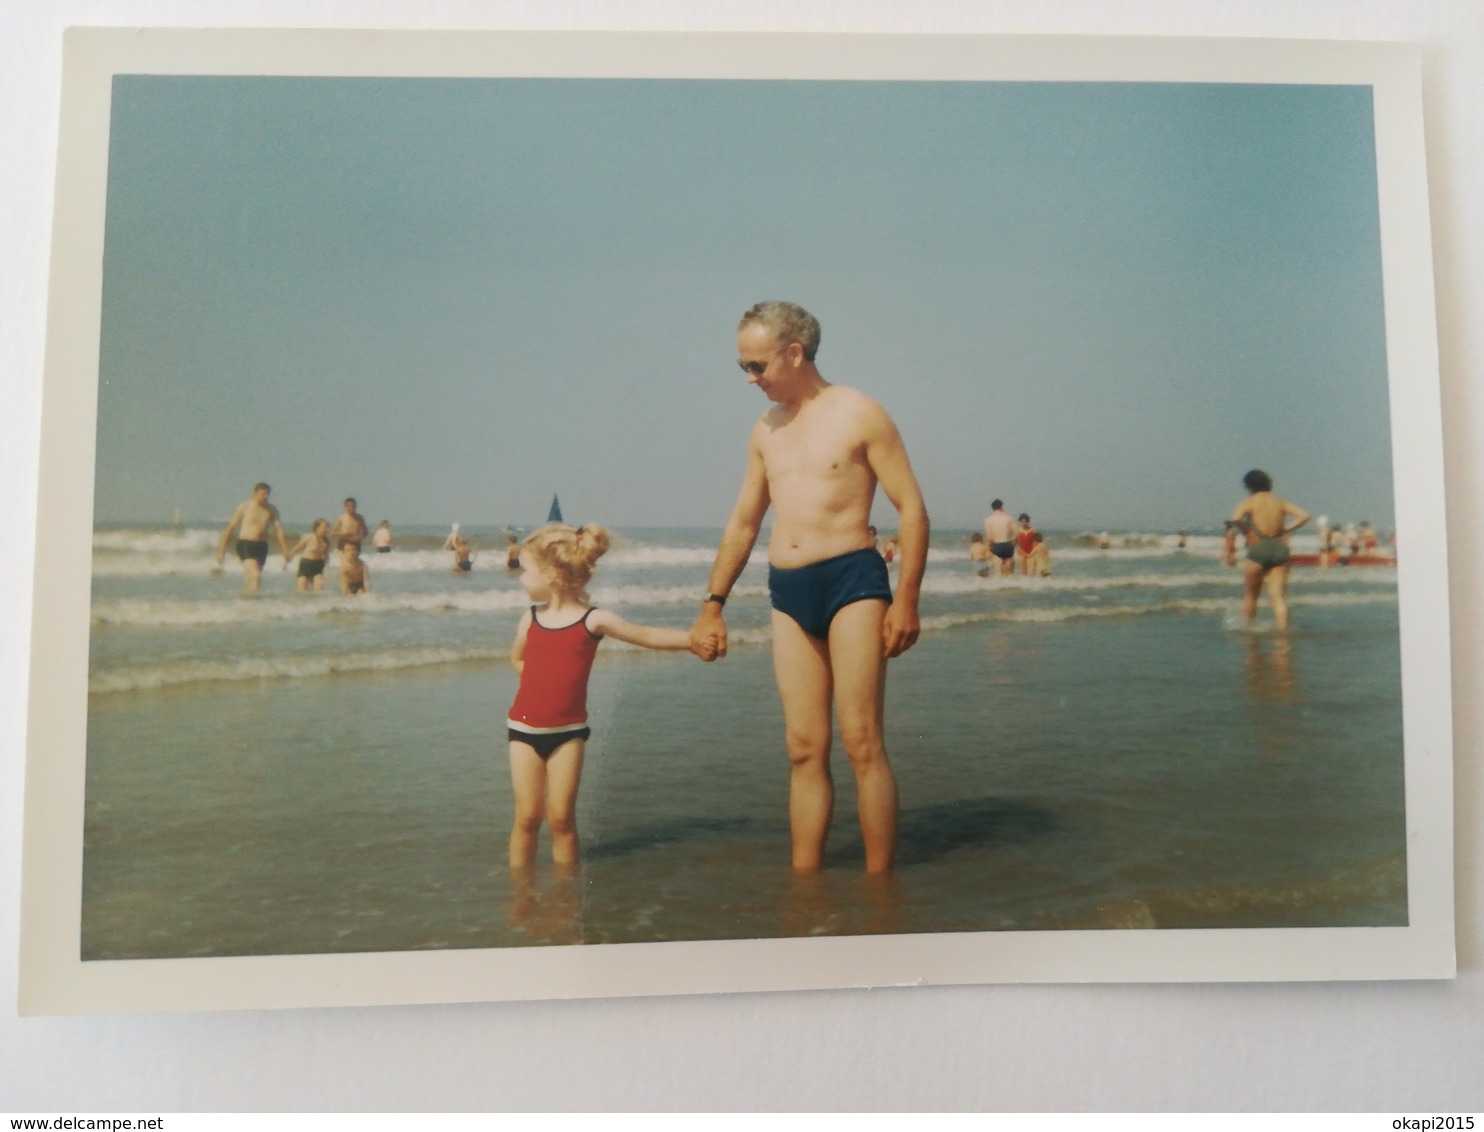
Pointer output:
x,y
1107,748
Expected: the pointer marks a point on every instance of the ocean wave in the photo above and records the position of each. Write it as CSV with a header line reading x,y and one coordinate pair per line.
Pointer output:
x,y
643,555
965,583
1228,607
175,673
192,540
301,607
297,607
147,677
145,562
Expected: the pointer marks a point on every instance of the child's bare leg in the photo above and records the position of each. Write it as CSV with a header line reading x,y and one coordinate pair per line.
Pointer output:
x,y
801,664
1277,583
528,780
563,772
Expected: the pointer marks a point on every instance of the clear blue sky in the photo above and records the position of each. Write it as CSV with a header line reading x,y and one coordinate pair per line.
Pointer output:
x,y
450,298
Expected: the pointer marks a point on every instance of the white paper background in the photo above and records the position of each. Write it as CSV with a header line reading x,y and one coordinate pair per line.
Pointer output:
x,y
1394,1047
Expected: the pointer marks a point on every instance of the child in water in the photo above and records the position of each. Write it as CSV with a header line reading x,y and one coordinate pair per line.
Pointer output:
x,y
355,575
553,652
979,555
1040,557
463,554
314,546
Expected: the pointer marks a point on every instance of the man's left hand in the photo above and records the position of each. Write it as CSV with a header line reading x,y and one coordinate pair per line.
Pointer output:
x,y
900,630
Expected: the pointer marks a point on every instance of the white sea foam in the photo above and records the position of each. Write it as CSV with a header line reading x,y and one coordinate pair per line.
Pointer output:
x,y
642,555
1060,614
614,596
1074,583
278,668
302,607
188,541
299,607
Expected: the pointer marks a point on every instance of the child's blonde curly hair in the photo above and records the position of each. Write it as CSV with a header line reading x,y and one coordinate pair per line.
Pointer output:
x,y
567,556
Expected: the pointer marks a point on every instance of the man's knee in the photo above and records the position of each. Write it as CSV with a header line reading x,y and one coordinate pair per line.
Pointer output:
x,y
861,738
807,745
562,825
528,821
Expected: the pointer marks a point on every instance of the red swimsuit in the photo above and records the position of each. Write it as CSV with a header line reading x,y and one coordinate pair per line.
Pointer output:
x,y
552,697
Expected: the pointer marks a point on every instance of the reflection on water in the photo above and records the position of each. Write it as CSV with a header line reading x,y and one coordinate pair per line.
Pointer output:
x,y
545,905
929,833
1269,671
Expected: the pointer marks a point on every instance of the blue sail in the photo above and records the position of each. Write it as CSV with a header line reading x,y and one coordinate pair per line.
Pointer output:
x,y
555,514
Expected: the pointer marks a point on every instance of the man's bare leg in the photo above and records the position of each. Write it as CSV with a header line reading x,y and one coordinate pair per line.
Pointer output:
x,y
860,690
252,575
802,667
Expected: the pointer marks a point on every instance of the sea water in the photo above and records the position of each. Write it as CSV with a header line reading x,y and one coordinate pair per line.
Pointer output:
x,y
1109,747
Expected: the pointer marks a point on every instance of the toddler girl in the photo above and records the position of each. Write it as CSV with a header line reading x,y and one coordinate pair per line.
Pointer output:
x,y
554,649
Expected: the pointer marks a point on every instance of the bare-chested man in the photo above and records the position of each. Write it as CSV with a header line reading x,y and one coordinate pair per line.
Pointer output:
x,y
349,527
816,458
1264,518
250,523
999,532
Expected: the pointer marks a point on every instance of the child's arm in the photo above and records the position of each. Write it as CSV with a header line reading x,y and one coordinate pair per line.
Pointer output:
x,y
607,624
518,650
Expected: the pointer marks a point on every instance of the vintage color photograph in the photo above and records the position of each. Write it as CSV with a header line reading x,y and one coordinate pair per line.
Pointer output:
x,y
547,511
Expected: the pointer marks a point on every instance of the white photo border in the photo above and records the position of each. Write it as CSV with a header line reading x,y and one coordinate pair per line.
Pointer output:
x,y
55,980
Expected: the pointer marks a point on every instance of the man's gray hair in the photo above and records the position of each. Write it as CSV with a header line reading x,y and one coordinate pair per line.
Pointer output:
x,y
789,322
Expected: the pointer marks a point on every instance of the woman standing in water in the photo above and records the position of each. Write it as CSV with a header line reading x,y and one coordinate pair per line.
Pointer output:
x,y
1265,519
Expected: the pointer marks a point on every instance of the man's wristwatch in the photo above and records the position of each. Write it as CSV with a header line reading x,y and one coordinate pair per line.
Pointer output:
x,y
720,599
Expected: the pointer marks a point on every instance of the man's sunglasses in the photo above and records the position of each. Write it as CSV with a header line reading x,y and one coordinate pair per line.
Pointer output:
x,y
758,368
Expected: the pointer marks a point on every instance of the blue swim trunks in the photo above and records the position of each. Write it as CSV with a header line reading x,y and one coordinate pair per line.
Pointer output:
x,y
813,594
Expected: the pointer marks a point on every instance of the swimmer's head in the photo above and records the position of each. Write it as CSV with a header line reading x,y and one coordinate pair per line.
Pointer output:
x,y
1024,518
565,556
1257,480
261,489
788,323
350,503
997,504
321,527
976,538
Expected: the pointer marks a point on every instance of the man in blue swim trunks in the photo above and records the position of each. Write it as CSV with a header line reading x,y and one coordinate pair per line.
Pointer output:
x,y
999,533
816,458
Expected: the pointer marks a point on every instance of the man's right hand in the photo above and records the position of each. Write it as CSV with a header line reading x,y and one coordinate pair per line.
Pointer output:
x,y
708,636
